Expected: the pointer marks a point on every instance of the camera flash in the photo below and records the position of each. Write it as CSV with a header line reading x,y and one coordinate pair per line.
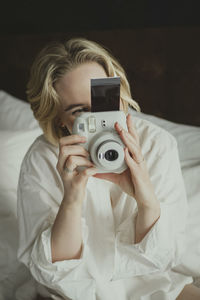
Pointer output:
x,y
92,124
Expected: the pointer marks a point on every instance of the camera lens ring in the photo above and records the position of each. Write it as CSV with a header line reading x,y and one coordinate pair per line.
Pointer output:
x,y
100,144
116,155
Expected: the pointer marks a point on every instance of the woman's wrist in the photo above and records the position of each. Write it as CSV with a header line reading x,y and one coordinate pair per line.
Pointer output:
x,y
149,214
146,218
152,204
69,203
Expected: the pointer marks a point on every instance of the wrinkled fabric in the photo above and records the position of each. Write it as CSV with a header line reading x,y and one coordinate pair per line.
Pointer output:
x,y
111,265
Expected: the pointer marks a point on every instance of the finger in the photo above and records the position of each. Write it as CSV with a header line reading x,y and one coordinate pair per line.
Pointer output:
x,y
118,127
132,135
130,142
66,151
75,161
121,130
84,175
133,148
89,171
71,139
128,159
132,162
128,138
131,128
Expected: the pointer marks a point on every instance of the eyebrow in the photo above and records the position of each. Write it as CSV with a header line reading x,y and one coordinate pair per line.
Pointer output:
x,y
73,106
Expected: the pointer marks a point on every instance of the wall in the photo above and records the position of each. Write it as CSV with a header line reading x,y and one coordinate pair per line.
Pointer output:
x,y
47,16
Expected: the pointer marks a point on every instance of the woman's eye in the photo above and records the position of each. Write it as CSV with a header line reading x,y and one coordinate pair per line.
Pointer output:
x,y
80,110
77,111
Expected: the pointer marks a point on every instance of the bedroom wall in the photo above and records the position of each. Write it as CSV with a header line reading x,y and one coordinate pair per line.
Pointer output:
x,y
29,16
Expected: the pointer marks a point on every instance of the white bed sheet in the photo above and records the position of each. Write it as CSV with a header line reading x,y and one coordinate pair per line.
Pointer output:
x,y
18,129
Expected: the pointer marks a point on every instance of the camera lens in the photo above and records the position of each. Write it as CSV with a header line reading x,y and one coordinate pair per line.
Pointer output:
x,y
111,155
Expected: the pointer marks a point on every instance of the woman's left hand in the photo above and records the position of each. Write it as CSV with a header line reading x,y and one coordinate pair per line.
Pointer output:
x,y
135,180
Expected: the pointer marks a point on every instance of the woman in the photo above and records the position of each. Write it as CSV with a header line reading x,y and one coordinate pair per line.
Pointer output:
x,y
85,235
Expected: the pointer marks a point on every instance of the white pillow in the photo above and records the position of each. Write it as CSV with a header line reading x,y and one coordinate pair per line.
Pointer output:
x,y
18,130
188,138
14,145
15,114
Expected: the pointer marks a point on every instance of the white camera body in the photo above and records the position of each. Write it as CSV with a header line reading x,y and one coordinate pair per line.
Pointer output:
x,y
102,140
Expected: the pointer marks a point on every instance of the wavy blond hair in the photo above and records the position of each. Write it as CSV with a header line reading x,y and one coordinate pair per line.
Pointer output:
x,y
54,61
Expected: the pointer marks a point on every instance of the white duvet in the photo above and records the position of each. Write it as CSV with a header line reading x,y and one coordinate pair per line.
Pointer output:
x,y
18,129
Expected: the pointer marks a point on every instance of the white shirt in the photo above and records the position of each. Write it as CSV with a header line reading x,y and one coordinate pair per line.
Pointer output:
x,y
111,265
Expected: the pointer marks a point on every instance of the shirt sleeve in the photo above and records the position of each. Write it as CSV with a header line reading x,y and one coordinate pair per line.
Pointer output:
x,y
37,209
163,246
67,277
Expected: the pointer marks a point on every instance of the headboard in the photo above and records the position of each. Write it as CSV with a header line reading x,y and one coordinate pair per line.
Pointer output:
x,y
162,66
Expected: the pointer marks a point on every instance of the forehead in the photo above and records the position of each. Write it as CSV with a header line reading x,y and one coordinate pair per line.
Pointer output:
x,y
74,86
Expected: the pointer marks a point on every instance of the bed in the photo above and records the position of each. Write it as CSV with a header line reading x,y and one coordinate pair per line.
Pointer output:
x,y
164,82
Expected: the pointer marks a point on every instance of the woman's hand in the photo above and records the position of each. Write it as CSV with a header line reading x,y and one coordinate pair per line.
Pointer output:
x,y
71,156
66,234
135,180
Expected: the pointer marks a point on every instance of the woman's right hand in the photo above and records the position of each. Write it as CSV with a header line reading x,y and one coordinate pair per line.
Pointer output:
x,y
71,156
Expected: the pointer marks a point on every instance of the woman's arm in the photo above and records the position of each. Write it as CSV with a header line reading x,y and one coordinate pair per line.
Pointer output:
x,y
49,213
66,238
157,187
135,181
190,291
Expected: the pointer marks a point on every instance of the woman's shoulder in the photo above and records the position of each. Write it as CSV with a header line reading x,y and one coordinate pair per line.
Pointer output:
x,y
39,176
40,153
153,136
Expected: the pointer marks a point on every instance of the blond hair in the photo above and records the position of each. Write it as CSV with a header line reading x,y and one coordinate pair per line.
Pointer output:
x,y
53,62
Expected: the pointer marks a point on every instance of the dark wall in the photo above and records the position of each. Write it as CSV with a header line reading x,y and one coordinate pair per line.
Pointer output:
x,y
45,16
162,66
